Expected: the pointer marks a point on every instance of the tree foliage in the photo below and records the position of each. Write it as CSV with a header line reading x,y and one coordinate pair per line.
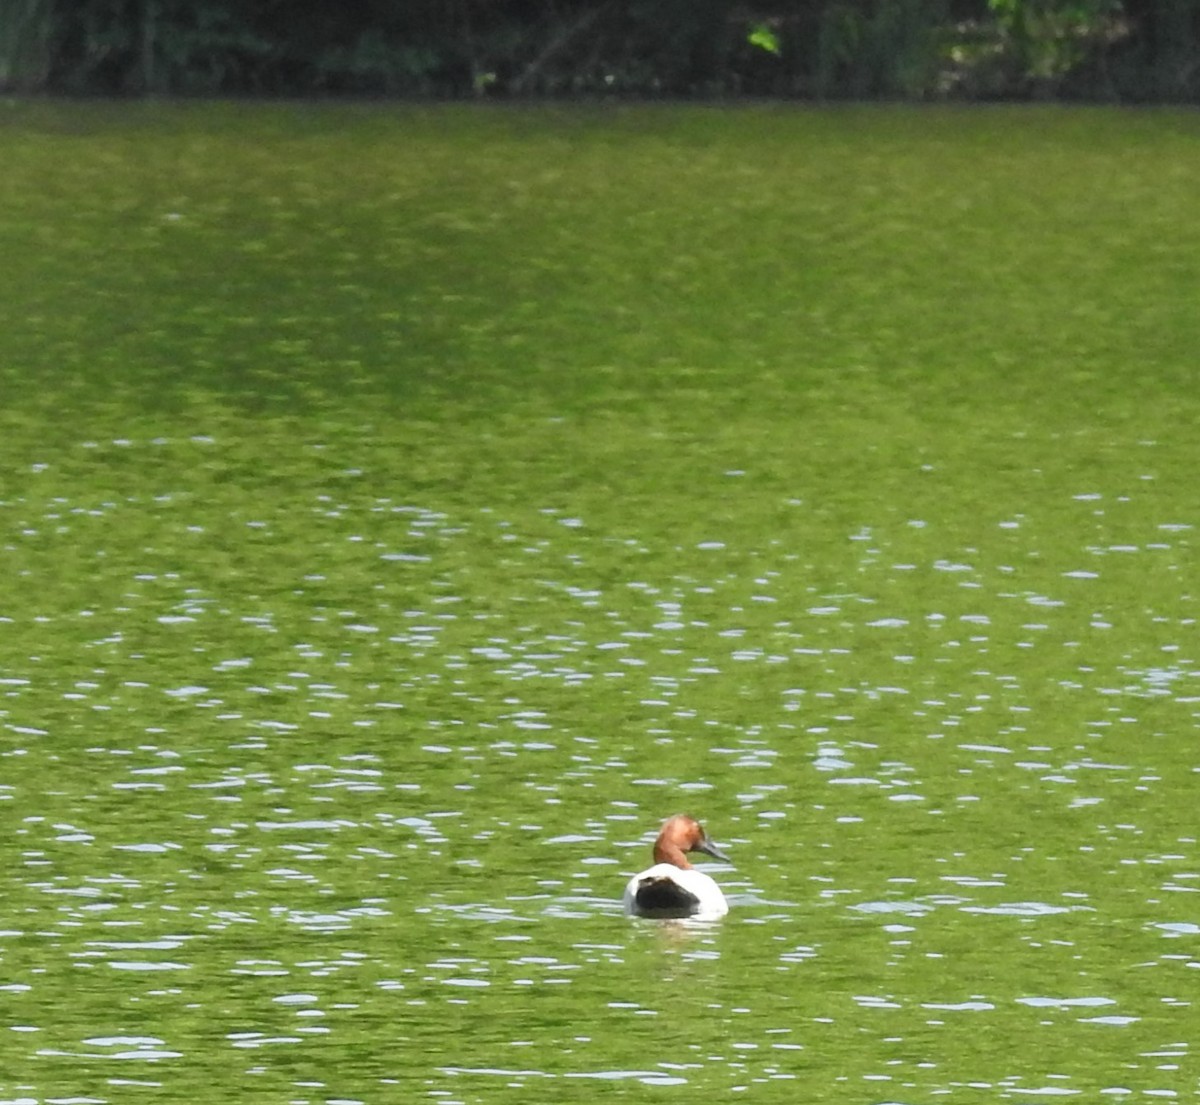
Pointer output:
x,y
912,49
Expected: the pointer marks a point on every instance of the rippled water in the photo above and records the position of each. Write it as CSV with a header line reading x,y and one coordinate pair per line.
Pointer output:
x,y
333,729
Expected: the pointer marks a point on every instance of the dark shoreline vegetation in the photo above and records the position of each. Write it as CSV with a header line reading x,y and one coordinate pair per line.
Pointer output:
x,y
1132,51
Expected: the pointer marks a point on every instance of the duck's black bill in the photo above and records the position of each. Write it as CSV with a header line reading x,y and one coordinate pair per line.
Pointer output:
x,y
710,849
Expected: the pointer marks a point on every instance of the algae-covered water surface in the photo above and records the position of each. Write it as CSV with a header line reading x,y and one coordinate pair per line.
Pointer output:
x,y
403,510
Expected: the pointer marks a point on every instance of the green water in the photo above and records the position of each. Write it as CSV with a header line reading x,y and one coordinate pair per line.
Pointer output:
x,y
403,510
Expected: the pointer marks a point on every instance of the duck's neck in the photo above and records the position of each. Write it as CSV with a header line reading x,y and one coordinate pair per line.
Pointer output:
x,y
666,852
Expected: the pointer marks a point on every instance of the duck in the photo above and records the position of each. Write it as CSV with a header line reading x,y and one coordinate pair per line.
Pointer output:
x,y
673,888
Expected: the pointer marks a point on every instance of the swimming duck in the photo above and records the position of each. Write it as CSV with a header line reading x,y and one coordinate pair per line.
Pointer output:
x,y
673,887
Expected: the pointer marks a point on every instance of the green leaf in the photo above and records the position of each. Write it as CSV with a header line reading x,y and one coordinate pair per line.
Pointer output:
x,y
764,38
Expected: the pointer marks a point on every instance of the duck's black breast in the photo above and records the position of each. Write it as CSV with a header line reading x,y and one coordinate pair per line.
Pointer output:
x,y
659,896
